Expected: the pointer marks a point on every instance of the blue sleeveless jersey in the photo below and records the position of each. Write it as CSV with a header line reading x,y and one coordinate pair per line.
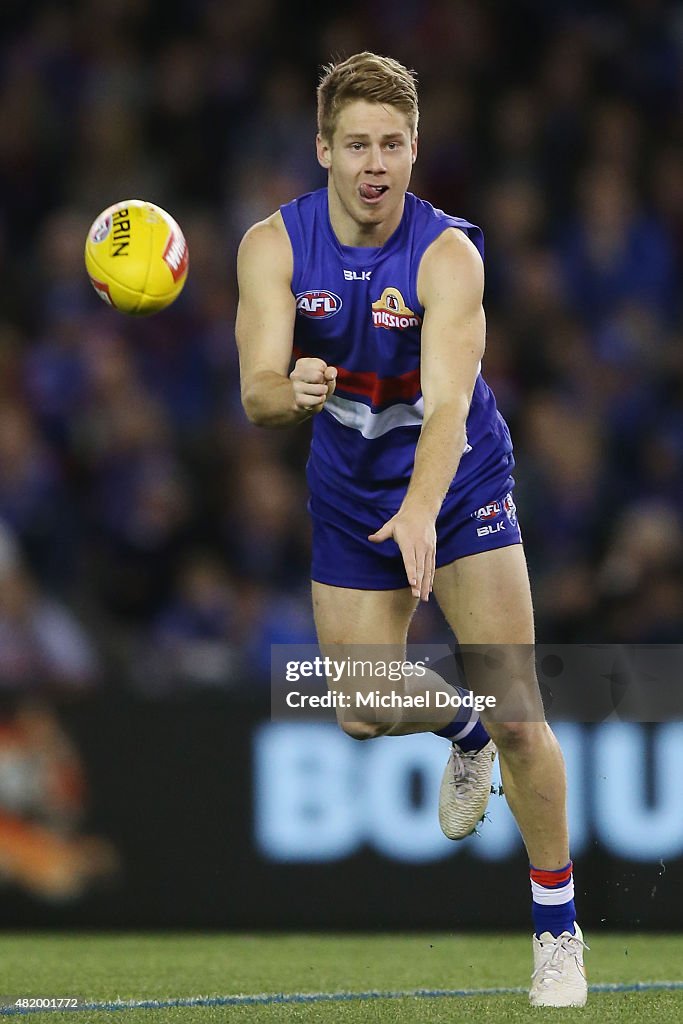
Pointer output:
x,y
358,310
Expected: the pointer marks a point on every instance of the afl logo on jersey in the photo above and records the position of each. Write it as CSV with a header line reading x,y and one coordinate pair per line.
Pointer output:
x,y
318,305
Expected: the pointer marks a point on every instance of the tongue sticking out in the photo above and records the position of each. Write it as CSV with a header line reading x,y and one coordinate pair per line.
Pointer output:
x,y
371,191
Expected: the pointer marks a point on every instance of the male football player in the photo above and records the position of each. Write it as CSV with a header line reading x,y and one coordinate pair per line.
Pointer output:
x,y
378,298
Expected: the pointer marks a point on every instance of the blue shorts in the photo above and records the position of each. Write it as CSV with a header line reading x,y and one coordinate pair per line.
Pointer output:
x,y
484,519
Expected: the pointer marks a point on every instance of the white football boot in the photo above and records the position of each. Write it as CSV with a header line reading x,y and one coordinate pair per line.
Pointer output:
x,y
465,790
559,977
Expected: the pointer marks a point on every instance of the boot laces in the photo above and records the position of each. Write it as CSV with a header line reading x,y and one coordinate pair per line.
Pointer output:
x,y
463,778
563,946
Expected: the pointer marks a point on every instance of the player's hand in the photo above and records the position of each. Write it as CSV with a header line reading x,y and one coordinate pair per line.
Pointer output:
x,y
314,381
416,537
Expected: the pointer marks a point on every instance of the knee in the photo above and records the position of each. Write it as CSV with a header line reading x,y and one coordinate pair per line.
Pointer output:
x,y
518,739
365,730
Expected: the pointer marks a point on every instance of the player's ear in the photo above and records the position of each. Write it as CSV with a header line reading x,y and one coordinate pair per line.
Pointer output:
x,y
323,151
413,147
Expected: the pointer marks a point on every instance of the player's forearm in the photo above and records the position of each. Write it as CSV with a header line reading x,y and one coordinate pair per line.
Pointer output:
x,y
268,400
437,458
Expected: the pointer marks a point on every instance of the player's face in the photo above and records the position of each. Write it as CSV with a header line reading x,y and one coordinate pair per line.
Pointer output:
x,y
370,159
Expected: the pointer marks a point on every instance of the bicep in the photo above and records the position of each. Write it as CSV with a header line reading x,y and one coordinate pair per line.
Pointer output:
x,y
266,309
451,282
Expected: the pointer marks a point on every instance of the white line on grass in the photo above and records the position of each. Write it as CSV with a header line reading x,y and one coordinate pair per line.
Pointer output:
x,y
278,999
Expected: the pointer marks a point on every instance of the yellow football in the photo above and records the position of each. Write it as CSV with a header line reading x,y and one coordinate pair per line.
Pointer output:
x,y
136,257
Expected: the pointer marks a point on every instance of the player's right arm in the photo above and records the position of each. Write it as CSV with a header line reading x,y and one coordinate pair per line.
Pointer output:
x,y
265,333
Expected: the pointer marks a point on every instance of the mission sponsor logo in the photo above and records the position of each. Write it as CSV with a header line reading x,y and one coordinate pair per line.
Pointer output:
x,y
318,304
391,312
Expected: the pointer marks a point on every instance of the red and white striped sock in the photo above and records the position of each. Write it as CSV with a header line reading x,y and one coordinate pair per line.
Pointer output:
x,y
553,906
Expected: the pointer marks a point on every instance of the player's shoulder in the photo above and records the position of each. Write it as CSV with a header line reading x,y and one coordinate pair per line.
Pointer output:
x,y
453,243
451,265
270,232
266,242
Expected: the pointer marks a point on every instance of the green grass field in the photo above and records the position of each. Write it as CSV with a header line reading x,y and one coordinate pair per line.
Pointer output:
x,y
103,968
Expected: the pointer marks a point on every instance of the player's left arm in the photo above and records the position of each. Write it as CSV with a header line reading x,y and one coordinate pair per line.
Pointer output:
x,y
450,286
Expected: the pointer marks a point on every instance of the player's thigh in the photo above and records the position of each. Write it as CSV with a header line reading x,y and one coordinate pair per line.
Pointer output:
x,y
362,628
348,616
486,597
486,600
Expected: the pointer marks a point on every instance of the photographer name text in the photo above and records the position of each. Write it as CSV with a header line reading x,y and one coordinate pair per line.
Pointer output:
x,y
391,699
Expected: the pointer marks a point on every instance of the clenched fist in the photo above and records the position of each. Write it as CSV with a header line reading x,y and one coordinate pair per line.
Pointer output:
x,y
314,382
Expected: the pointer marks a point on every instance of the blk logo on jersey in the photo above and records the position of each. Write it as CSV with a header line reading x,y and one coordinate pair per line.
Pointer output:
x,y
391,312
318,304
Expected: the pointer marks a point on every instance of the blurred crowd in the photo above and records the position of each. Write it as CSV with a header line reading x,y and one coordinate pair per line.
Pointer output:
x,y
149,536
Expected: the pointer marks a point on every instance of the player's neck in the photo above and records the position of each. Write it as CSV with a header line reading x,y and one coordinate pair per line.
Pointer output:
x,y
363,236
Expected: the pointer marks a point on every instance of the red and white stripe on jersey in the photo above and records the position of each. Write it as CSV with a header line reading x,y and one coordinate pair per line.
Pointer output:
x,y
375,405
366,386
379,390
360,416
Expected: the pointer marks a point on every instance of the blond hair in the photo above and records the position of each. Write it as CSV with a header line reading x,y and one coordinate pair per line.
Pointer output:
x,y
365,76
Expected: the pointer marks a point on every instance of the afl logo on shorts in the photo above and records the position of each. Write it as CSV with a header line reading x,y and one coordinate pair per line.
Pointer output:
x,y
489,511
318,305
